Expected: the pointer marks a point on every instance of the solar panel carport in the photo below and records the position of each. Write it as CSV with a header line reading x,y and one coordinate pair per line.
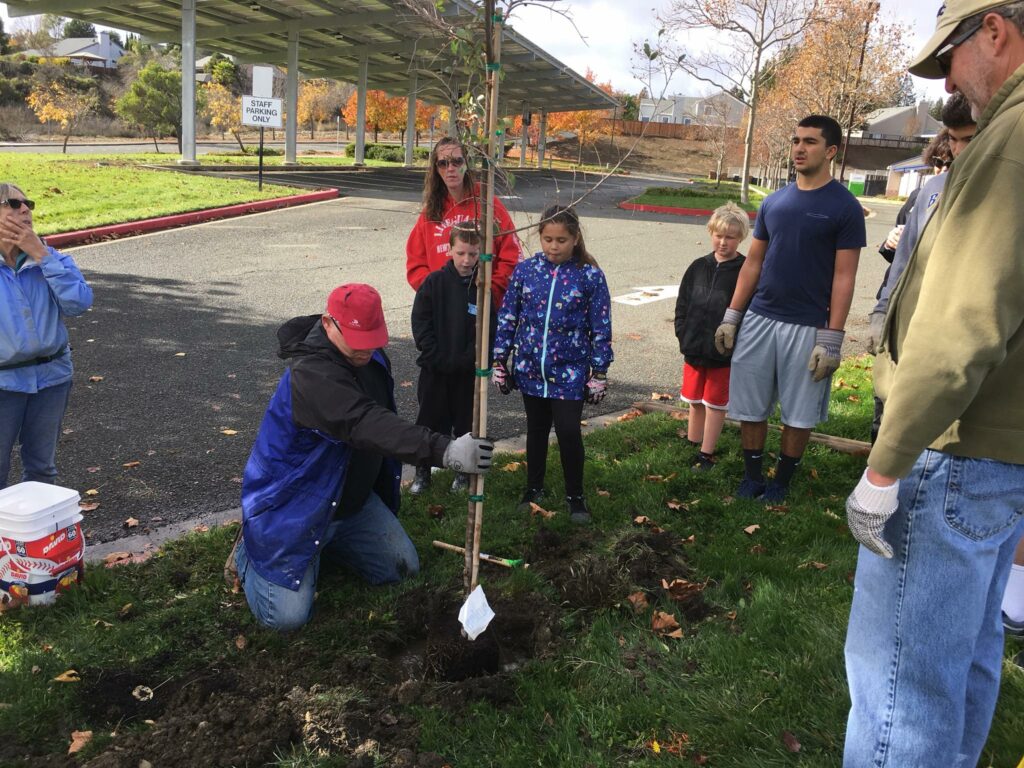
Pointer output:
x,y
378,44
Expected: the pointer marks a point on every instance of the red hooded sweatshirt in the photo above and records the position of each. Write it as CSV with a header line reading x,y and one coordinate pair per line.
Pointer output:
x,y
427,248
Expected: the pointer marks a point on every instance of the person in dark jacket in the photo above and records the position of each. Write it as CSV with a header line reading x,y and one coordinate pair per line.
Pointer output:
x,y
704,295
323,476
444,317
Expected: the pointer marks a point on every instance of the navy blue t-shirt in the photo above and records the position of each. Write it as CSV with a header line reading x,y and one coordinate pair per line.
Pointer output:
x,y
804,229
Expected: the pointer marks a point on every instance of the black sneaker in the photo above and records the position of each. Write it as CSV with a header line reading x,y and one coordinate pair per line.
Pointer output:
x,y
422,481
578,511
460,483
532,496
703,462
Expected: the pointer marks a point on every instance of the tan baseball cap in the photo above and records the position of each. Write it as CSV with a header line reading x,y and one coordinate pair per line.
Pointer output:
x,y
951,13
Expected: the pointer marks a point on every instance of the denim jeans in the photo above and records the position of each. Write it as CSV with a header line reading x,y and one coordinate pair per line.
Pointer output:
x,y
34,421
371,542
925,641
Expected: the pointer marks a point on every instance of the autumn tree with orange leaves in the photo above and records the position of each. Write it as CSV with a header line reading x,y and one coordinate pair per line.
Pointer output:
x,y
58,102
314,105
383,113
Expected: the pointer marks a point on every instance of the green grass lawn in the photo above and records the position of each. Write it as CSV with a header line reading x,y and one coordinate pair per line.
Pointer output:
x,y
763,658
276,160
80,191
699,194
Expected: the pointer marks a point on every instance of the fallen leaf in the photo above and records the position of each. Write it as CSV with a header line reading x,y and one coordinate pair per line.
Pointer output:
x,y
731,615
781,508
681,416
131,464
95,379
757,549
102,623
46,647
814,473
698,758
71,676
116,557
662,397
126,611
179,354
36,669
682,590
201,528
665,625
241,643
236,479
750,529
436,511
639,601
727,500
659,478
406,384
78,741
630,415
791,742
622,642
634,336
641,520
142,692
604,493
92,469
389,719
92,492
675,504
229,431
537,509
131,522
813,564
512,466
88,506
689,539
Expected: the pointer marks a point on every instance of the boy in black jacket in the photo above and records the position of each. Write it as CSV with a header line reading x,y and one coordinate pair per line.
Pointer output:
x,y
444,328
704,295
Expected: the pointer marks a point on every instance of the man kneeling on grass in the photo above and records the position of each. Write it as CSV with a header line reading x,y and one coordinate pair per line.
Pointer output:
x,y
323,476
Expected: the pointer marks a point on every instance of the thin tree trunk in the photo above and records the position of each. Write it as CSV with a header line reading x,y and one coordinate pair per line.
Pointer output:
x,y
748,143
239,140
66,137
156,146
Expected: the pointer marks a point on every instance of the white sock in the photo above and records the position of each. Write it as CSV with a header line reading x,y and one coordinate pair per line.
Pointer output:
x,y
1013,597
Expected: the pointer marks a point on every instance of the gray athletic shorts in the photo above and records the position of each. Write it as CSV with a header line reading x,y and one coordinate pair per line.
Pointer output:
x,y
769,365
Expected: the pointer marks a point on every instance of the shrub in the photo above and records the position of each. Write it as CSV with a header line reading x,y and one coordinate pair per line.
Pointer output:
x,y
394,153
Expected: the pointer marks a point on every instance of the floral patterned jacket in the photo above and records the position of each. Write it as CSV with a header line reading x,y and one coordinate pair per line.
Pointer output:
x,y
556,323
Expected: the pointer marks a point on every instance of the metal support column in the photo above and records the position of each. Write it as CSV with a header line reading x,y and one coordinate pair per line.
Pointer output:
x,y
410,120
542,137
361,111
188,83
291,94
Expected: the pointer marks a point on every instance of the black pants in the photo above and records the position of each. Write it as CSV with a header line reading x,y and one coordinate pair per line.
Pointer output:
x,y
446,401
565,414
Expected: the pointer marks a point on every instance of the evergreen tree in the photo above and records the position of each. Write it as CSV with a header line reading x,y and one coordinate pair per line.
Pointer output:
x,y
77,28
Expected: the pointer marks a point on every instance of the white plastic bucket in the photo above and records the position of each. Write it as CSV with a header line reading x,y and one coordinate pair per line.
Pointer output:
x,y
41,543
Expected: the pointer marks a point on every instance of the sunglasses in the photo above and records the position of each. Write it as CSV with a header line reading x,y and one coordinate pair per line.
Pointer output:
x,y
454,162
944,56
14,204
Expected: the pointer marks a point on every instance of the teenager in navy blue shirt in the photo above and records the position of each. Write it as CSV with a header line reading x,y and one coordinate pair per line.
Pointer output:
x,y
798,278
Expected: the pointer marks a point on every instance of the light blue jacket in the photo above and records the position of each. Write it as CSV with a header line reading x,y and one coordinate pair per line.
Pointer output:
x,y
34,299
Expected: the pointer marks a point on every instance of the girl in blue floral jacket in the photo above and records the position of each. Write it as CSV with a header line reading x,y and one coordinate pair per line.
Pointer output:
x,y
556,324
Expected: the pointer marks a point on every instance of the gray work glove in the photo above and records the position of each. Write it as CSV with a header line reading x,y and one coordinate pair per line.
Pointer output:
x,y
725,336
868,509
876,321
825,355
469,454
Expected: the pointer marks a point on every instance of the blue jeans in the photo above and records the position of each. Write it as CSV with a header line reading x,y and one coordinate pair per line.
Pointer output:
x,y
34,421
925,641
371,542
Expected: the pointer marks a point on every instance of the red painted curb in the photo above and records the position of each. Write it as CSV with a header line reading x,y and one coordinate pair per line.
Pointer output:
x,y
671,209
183,219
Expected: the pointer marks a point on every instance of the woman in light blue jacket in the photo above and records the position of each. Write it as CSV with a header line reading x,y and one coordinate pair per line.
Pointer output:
x,y
38,288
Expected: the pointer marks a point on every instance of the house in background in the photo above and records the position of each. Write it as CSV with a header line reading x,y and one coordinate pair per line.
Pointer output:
x,y
716,109
900,123
101,53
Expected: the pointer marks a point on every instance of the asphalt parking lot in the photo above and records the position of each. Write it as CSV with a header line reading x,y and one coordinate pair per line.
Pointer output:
x,y
183,329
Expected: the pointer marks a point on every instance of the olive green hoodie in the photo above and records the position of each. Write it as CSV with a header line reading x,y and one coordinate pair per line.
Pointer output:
x,y
951,363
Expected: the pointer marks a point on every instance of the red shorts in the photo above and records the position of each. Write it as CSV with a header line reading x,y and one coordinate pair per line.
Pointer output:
x,y
707,386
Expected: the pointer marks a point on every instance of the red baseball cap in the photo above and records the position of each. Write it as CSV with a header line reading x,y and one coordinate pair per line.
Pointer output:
x,y
356,308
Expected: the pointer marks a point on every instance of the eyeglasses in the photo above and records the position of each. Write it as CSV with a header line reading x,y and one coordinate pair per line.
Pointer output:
x,y
944,56
454,162
14,203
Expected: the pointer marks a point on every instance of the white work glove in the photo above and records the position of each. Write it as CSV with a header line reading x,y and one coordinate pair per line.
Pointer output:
x,y
893,238
876,322
596,389
469,454
725,336
868,509
828,345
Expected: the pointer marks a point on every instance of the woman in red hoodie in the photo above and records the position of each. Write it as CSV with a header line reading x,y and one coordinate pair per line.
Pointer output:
x,y
451,195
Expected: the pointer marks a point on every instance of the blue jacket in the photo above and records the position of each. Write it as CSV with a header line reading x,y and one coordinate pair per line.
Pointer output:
x,y
34,299
296,471
556,322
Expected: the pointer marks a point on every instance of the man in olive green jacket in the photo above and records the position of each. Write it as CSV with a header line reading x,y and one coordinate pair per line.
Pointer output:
x,y
925,640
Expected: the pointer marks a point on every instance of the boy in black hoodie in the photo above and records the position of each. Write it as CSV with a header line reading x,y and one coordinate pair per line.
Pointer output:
x,y
444,328
704,295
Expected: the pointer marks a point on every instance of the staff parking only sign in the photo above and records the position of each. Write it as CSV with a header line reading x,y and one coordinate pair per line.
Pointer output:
x,y
261,112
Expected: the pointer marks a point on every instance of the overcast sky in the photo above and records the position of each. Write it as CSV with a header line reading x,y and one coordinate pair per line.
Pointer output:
x,y
610,28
